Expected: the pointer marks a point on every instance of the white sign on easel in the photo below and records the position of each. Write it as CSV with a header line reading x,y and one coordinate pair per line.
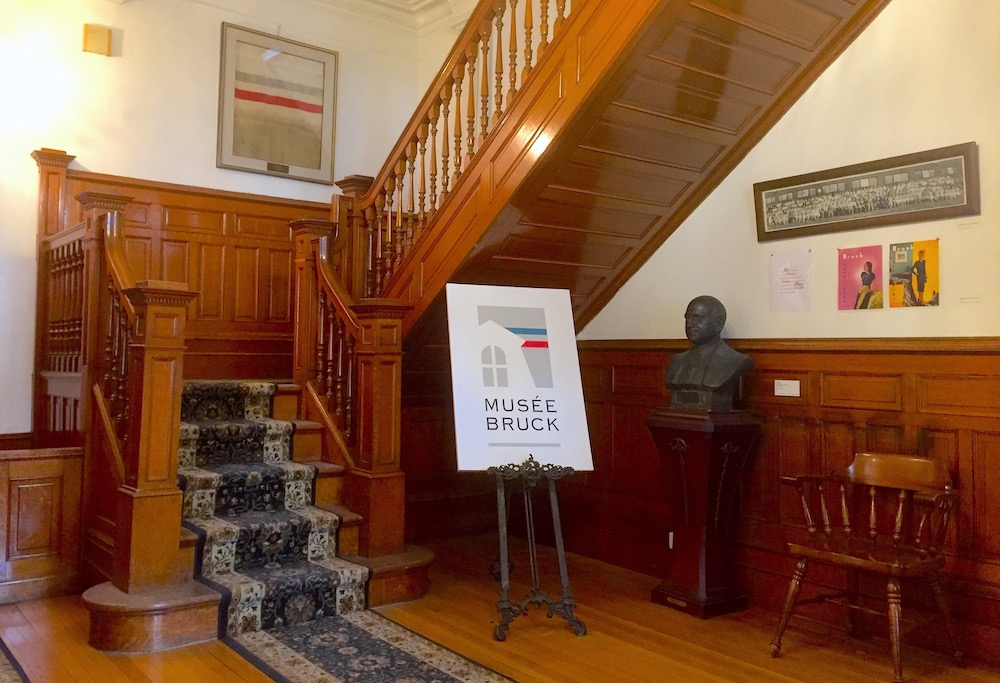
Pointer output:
x,y
516,378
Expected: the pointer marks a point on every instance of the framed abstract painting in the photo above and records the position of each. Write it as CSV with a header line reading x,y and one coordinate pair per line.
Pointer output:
x,y
277,106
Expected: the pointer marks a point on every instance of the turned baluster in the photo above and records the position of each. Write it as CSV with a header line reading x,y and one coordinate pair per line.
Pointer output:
x,y
331,370
399,236
373,250
349,402
109,341
459,79
341,361
543,27
379,246
432,134
513,50
411,165
320,338
388,247
484,86
445,103
472,55
498,70
528,28
122,370
560,16
421,204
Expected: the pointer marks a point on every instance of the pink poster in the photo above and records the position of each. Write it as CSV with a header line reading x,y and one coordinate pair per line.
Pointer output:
x,y
859,277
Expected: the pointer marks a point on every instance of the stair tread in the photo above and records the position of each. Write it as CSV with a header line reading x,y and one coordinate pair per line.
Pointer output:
x,y
275,553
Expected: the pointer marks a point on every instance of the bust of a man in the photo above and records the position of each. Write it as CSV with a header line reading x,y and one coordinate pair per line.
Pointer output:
x,y
706,376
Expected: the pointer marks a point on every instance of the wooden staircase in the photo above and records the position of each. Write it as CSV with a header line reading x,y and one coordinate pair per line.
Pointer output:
x,y
559,146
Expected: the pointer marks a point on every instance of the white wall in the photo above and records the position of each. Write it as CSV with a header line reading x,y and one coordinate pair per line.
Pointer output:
x,y
150,111
923,75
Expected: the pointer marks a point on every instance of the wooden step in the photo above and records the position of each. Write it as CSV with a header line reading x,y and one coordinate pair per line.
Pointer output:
x,y
187,553
330,483
307,444
350,529
286,401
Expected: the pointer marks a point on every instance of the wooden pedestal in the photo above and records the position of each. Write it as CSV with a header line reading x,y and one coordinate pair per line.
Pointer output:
x,y
703,458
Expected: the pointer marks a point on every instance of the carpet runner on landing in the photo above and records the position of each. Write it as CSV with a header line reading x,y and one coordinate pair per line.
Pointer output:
x,y
290,605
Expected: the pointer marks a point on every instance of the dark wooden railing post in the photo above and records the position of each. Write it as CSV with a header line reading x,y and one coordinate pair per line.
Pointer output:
x,y
149,502
306,232
377,488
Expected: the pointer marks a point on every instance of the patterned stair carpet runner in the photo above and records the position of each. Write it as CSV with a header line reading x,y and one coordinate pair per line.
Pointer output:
x,y
10,668
290,605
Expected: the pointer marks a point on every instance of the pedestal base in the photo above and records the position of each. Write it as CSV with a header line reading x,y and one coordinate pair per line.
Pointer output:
x,y
704,457
676,597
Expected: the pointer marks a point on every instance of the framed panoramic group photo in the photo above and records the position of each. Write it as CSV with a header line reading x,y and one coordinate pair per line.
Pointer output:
x,y
931,185
277,106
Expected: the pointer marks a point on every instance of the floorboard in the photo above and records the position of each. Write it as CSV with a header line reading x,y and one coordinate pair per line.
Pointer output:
x,y
629,638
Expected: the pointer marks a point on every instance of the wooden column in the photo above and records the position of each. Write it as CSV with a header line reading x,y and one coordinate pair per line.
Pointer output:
x,y
377,491
306,232
149,503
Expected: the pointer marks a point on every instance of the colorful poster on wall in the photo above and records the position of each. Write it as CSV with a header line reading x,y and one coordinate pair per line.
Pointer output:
x,y
859,278
914,274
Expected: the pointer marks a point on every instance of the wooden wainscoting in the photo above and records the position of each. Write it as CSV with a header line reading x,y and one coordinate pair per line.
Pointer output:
x,y
39,536
234,249
938,398
934,397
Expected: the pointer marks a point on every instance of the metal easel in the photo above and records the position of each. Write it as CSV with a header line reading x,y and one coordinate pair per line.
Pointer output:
x,y
530,473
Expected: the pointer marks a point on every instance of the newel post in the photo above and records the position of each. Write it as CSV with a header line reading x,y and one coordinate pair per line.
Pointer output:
x,y
306,232
377,483
149,502
352,225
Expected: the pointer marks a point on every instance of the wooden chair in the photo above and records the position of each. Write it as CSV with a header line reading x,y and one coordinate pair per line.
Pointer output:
x,y
904,504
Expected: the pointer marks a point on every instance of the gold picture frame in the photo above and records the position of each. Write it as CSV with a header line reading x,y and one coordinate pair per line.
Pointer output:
x,y
277,106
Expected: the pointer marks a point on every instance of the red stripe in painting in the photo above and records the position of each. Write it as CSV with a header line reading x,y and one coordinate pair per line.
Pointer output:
x,y
535,345
279,101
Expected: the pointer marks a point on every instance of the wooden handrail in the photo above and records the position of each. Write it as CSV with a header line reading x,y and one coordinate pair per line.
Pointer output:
x,y
332,431
106,427
467,101
60,239
335,291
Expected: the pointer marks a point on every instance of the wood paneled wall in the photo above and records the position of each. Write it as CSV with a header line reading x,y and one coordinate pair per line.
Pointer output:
x,y
938,398
234,249
39,535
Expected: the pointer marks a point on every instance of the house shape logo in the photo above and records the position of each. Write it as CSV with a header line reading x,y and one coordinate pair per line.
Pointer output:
x,y
515,330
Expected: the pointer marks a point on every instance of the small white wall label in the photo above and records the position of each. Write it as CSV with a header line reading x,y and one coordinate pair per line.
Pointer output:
x,y
787,387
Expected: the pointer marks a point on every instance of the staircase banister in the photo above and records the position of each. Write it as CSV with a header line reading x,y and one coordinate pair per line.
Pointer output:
x,y
65,237
457,58
111,450
335,290
114,249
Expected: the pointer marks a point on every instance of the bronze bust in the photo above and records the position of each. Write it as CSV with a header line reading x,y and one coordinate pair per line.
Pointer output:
x,y
706,376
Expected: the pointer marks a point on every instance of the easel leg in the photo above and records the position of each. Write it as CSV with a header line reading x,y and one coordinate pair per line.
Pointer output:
x,y
567,604
507,609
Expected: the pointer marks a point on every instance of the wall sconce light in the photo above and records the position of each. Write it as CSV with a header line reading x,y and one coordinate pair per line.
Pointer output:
x,y
97,39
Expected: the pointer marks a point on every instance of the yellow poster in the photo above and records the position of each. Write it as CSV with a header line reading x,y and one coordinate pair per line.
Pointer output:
x,y
914,274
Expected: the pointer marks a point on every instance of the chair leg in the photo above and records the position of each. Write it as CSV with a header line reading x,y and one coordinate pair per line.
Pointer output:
x,y
793,591
852,598
895,599
956,651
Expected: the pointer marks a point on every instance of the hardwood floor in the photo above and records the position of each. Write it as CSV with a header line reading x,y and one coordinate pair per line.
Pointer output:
x,y
629,638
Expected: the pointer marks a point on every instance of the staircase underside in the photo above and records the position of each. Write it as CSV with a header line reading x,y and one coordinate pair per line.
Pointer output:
x,y
695,87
